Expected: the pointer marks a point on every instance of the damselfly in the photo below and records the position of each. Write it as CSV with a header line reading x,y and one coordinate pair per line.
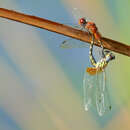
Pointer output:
x,y
94,82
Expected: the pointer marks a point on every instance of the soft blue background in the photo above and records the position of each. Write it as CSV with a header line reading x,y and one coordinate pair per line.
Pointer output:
x,y
41,84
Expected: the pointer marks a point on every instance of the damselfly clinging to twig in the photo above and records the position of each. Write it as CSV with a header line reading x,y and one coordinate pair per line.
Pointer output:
x,y
85,25
94,82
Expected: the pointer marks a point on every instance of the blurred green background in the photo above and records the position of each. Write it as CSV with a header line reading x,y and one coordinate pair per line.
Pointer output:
x,y
41,84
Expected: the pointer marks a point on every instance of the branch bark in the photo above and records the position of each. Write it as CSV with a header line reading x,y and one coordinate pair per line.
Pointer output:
x,y
63,29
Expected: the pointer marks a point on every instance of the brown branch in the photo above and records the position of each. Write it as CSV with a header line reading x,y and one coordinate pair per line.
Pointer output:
x,y
63,29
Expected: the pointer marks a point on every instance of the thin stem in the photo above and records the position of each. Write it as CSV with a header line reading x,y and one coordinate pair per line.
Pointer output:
x,y
64,30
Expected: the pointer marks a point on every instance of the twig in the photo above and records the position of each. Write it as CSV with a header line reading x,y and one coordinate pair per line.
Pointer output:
x,y
63,29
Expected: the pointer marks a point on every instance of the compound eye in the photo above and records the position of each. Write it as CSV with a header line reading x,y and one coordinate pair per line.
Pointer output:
x,y
112,56
82,21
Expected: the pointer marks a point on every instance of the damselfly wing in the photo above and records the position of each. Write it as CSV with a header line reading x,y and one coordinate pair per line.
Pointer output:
x,y
73,43
95,91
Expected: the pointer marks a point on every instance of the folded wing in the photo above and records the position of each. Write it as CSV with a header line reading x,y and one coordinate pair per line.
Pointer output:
x,y
95,91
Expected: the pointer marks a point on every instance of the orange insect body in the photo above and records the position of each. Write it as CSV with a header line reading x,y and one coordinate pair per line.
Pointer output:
x,y
91,71
91,27
94,70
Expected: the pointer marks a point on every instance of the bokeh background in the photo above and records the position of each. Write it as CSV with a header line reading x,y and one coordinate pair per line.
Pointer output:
x,y
41,84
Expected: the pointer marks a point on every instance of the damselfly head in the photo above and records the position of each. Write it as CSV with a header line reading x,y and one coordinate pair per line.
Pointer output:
x,y
82,21
110,56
